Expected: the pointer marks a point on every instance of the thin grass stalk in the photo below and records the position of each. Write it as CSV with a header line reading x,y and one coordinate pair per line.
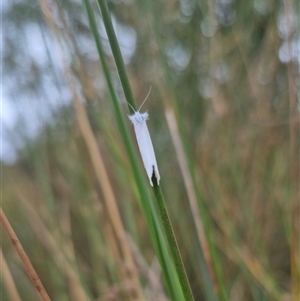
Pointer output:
x,y
8,279
171,279
294,129
117,55
24,258
156,188
172,242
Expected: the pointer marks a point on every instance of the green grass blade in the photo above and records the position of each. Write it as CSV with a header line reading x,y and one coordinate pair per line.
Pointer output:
x,y
170,277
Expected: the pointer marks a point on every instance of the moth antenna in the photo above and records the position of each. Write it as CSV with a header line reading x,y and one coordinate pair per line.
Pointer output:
x,y
145,98
130,106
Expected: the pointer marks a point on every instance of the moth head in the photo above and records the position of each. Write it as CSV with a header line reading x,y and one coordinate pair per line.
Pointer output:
x,y
141,117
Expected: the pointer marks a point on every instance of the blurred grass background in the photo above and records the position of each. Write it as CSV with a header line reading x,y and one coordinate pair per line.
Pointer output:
x,y
225,79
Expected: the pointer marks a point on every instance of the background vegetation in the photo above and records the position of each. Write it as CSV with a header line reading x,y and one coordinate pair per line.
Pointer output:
x,y
224,120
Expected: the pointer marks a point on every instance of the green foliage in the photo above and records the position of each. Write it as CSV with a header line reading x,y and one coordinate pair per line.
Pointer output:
x,y
221,69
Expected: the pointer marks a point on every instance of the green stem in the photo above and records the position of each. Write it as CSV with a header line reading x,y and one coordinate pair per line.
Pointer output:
x,y
172,242
158,193
118,111
117,55
171,278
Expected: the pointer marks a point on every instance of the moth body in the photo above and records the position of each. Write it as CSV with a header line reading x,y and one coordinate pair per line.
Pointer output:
x,y
145,144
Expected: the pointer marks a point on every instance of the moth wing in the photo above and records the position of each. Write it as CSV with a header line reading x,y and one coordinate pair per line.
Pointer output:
x,y
146,150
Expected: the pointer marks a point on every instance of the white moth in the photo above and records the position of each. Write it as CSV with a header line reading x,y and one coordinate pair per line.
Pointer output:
x,y
144,142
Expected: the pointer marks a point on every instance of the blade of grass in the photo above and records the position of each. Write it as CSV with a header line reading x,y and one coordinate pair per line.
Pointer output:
x,y
117,55
24,258
171,280
156,188
172,241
